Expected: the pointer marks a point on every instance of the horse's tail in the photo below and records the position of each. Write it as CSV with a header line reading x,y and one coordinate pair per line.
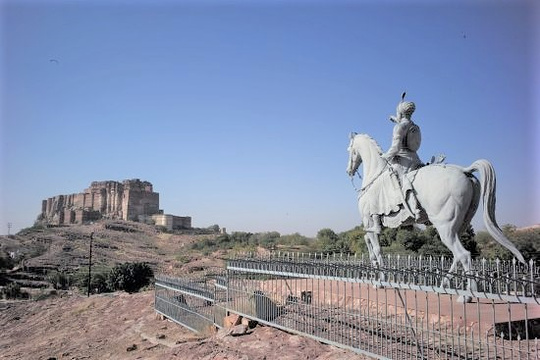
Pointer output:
x,y
487,188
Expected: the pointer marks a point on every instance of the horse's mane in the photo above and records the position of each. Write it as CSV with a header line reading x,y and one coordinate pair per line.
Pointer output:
x,y
372,140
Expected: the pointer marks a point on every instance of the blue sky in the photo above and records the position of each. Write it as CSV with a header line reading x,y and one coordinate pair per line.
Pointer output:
x,y
239,112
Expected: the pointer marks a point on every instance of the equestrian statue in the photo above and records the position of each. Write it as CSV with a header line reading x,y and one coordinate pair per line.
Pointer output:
x,y
398,189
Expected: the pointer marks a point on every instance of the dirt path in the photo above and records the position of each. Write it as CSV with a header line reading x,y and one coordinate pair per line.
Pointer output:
x,y
124,326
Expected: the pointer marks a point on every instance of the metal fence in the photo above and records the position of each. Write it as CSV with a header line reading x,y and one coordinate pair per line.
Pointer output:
x,y
198,303
341,300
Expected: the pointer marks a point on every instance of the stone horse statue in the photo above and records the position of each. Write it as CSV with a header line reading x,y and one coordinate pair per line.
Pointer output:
x,y
447,197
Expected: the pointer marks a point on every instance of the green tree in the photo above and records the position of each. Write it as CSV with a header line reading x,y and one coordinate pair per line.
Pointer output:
x,y
266,240
328,240
410,239
527,241
491,249
433,246
508,230
529,251
295,239
387,236
354,240
468,239
129,277
240,237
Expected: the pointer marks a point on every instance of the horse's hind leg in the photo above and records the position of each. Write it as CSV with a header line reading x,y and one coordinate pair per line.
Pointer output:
x,y
449,237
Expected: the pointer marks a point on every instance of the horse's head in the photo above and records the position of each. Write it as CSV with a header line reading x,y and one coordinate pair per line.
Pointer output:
x,y
354,157
363,149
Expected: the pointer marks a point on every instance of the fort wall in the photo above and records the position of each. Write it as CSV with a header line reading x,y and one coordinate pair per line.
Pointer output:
x,y
126,200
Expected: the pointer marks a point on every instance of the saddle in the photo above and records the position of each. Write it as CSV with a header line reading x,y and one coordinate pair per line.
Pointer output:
x,y
393,199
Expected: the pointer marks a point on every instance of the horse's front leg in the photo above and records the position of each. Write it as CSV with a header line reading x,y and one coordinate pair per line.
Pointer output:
x,y
368,227
372,258
372,238
372,225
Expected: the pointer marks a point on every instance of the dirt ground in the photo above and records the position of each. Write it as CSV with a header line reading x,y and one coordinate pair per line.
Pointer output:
x,y
125,326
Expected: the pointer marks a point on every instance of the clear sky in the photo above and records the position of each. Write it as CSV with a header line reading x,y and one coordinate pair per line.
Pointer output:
x,y
239,112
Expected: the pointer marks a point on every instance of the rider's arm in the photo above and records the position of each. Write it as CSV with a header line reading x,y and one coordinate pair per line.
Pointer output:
x,y
400,130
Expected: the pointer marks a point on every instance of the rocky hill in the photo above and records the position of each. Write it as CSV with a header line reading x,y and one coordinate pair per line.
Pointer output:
x,y
113,242
38,251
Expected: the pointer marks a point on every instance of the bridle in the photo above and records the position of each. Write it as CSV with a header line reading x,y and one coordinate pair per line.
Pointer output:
x,y
353,155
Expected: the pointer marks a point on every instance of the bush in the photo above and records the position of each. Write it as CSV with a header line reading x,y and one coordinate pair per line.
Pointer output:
x,y
6,262
162,229
13,291
99,283
59,280
182,258
130,277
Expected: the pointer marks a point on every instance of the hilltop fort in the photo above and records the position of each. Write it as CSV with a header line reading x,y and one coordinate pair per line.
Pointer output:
x,y
130,200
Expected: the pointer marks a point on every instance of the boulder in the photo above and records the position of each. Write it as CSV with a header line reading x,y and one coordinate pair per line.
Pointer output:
x,y
231,321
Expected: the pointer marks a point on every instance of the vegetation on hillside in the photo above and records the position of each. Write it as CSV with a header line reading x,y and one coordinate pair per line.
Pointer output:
x,y
126,254
129,277
247,241
13,291
403,240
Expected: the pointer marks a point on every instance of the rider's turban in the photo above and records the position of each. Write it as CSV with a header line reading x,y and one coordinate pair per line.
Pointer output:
x,y
406,108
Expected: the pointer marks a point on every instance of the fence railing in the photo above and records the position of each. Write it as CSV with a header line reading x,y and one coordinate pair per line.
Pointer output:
x,y
197,303
496,279
342,301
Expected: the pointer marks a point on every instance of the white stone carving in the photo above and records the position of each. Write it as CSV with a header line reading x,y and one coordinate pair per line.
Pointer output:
x,y
446,196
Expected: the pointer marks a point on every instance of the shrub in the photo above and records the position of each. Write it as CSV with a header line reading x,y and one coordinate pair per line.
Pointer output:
x,y
129,277
99,283
182,258
6,262
13,291
162,229
59,280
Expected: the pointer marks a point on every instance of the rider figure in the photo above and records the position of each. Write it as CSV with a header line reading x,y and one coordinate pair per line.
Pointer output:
x,y
402,157
406,140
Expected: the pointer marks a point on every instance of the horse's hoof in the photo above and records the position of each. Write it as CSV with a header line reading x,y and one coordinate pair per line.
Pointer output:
x,y
464,299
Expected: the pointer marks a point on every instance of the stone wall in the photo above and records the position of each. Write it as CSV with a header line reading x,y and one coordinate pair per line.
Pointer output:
x,y
172,222
103,199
